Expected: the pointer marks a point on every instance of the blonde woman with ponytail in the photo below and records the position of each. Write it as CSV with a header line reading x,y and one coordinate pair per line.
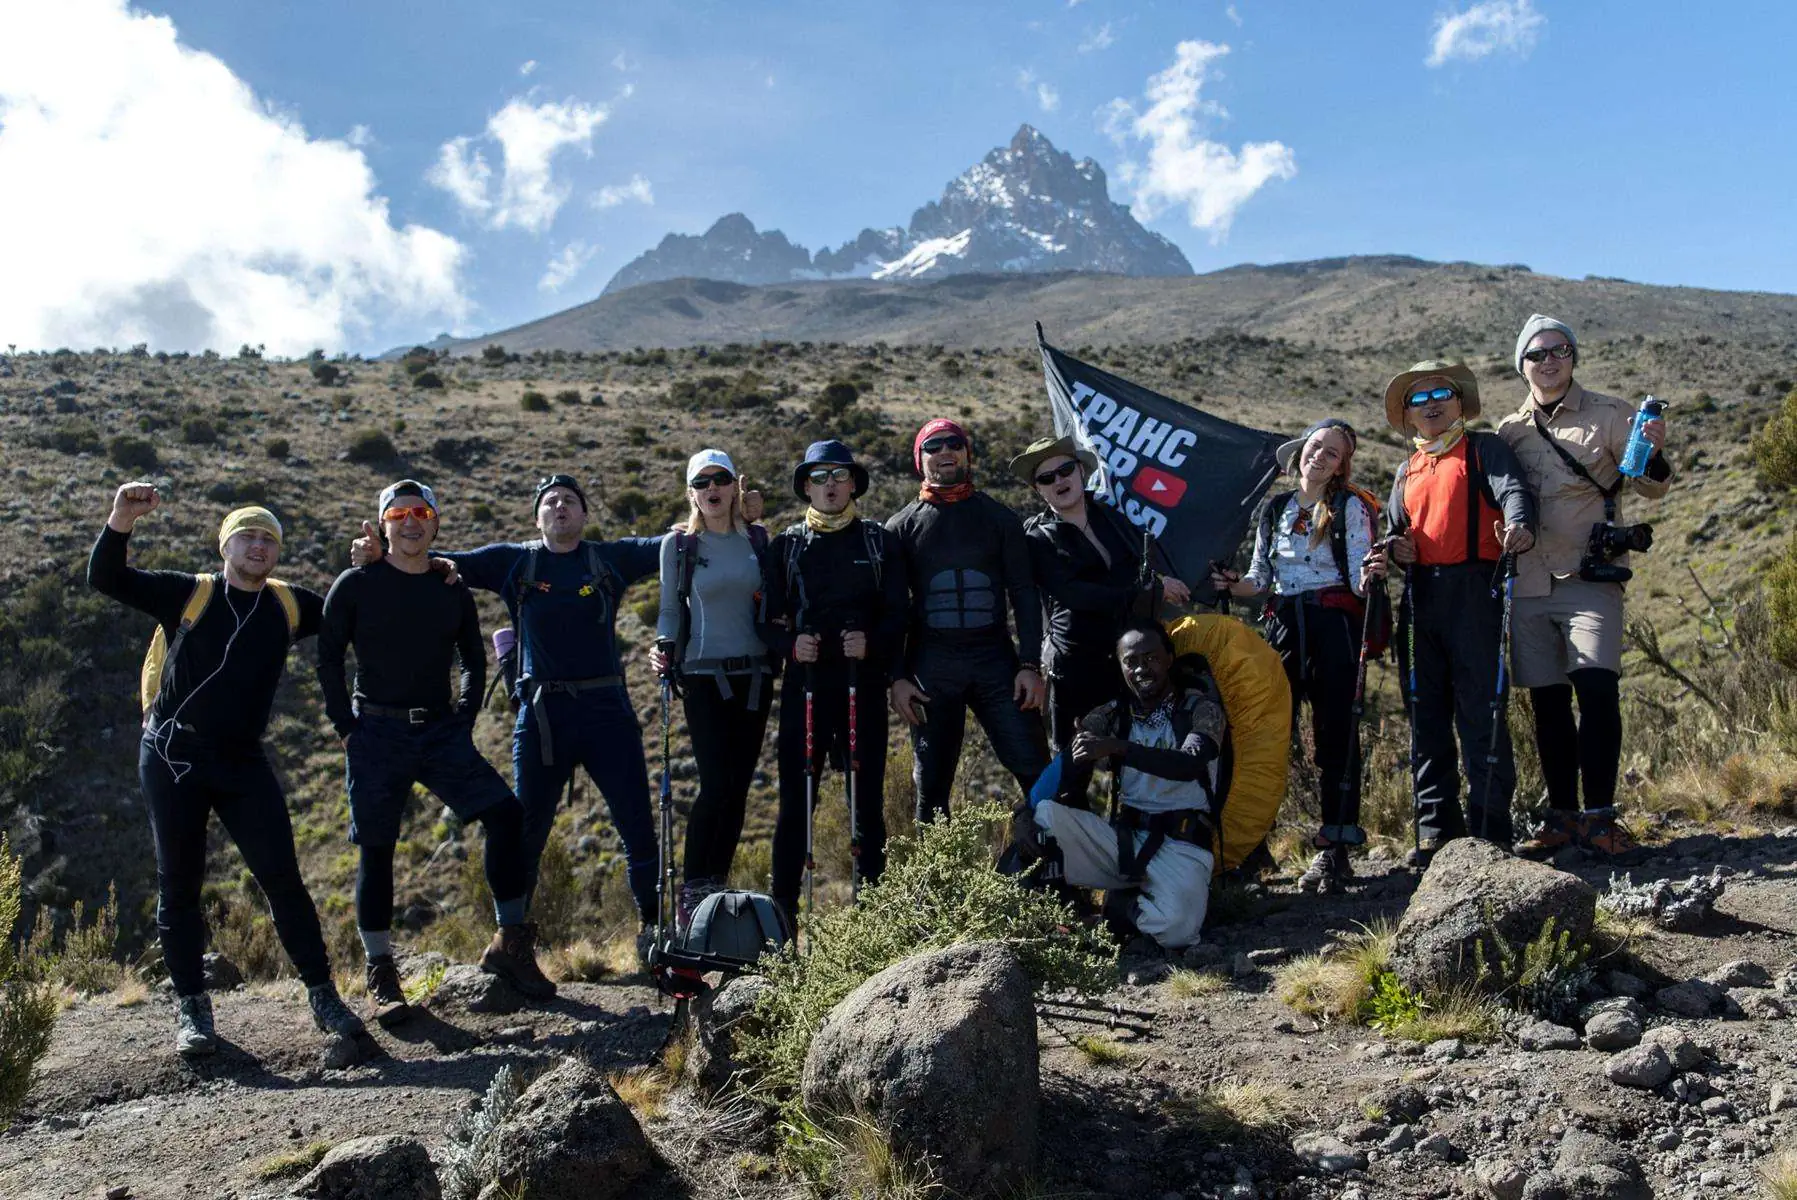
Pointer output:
x,y
1315,619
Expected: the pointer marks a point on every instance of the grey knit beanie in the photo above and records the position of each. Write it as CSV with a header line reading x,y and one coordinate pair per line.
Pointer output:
x,y
1541,324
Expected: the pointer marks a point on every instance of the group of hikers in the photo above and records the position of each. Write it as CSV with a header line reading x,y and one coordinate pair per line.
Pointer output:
x,y
1508,542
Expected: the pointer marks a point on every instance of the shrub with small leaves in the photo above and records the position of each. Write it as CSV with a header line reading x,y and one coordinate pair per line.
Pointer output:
x,y
494,355
276,447
1775,446
27,1005
1544,979
427,379
568,396
198,431
533,401
371,446
472,1134
132,453
326,374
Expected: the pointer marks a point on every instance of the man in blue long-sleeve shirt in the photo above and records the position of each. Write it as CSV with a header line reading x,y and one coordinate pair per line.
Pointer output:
x,y
563,594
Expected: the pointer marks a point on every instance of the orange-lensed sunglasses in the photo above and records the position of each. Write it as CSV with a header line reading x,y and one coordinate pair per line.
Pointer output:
x,y
423,512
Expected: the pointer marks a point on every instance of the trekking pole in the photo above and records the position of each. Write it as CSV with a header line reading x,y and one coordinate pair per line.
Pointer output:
x,y
854,795
1416,805
664,884
1507,573
1357,711
810,782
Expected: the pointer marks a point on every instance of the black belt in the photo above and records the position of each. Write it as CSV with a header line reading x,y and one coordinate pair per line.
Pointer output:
x,y
411,716
1181,824
535,689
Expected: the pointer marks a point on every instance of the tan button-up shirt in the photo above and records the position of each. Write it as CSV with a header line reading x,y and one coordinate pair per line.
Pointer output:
x,y
1594,429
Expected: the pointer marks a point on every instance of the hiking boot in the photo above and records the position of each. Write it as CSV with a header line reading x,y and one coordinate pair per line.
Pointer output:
x,y
331,1014
194,1034
692,894
1603,833
1419,858
386,992
1559,829
1328,873
512,955
645,943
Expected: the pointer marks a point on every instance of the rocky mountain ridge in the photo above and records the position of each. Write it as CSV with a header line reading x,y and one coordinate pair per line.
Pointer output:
x,y
1026,207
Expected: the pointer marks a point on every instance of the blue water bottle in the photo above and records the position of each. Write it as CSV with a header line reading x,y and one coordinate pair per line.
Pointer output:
x,y
1639,449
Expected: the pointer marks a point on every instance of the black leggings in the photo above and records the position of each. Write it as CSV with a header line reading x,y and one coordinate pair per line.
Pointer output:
x,y
1324,671
1589,748
507,874
727,737
830,736
237,784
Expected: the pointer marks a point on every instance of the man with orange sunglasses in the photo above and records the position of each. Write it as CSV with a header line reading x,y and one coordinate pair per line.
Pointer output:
x,y
402,728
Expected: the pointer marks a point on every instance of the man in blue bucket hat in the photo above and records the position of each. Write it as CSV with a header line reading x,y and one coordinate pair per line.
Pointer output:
x,y
836,608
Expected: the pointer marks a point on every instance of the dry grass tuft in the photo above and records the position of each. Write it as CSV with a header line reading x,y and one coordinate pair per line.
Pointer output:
x,y
1778,1176
1187,984
290,1163
589,961
1234,1112
131,994
1461,1013
1099,1050
644,1089
1338,984
859,1161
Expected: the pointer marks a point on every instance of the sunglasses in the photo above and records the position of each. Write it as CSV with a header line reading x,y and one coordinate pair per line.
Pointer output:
x,y
710,480
830,475
937,445
423,512
1061,472
1543,353
1419,399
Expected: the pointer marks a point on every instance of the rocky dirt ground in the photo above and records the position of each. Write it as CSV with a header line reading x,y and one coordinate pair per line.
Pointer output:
x,y
1361,1115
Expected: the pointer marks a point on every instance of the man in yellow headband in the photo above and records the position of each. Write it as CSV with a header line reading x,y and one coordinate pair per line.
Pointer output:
x,y
202,746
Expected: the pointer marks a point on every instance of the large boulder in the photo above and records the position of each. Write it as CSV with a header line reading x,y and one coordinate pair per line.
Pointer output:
x,y
388,1167
939,1053
716,1018
1472,890
568,1138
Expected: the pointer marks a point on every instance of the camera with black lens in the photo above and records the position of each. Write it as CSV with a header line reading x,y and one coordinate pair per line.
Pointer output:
x,y
1607,543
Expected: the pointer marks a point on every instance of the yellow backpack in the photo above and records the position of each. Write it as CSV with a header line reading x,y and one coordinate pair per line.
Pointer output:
x,y
163,651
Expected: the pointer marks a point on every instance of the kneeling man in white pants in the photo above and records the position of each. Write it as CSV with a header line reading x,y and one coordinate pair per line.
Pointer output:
x,y
1163,746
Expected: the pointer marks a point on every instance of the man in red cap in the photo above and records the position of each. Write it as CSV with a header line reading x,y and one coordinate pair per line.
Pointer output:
x,y
965,558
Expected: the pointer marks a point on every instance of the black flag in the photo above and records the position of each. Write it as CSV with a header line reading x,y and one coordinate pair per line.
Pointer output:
x,y
1190,479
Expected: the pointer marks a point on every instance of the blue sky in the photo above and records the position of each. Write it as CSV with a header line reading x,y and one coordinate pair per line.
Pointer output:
x,y
1643,140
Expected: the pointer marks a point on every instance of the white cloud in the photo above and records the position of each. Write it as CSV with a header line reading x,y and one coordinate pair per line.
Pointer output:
x,y
168,204
1233,15
614,194
530,136
562,269
360,136
621,62
1098,39
1483,29
527,66
1046,94
1182,167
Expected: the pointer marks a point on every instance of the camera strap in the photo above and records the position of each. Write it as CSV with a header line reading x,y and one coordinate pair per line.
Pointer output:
x,y
1578,468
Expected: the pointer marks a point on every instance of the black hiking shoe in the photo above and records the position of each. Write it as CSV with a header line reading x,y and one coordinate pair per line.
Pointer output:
x,y
1328,873
331,1014
386,993
512,955
1424,854
645,943
194,1034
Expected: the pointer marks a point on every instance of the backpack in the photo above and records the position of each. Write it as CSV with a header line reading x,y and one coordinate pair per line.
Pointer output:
x,y
162,649
598,573
686,555
732,929
798,537
1378,633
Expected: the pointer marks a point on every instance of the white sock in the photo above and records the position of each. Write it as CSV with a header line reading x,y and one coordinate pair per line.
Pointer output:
x,y
377,943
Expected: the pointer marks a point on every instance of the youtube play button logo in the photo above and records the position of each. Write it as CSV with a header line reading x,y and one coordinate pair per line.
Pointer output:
x,y
1160,488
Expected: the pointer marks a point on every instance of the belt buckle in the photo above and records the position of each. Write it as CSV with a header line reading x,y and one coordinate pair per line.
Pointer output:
x,y
417,716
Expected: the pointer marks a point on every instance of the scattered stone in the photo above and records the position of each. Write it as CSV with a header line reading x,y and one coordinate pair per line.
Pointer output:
x,y
1471,889
1672,1139
1589,1167
1645,1066
1621,1004
1717,1106
717,1017
1712,1178
1437,1144
1446,1050
467,988
1501,1178
1684,1053
1145,974
1741,973
939,1051
1621,983
387,1167
1395,1102
1328,1154
514,1035
1268,956
1362,1131
1204,954
1681,907
1401,1138
1545,1035
1762,1004
1613,1029
119,1191
340,1053
568,1138
1782,1097
1692,998
220,973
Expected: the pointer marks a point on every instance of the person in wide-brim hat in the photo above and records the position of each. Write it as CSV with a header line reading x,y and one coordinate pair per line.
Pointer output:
x,y
1287,454
829,453
1042,449
1457,373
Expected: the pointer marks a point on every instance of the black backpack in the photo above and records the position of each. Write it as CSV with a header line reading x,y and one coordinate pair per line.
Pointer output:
x,y
798,537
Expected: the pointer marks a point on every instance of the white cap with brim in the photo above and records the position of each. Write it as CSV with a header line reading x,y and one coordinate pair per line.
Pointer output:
x,y
708,458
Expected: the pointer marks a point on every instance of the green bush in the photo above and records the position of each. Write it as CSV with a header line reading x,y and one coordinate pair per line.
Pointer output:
x,y
371,446
132,453
427,379
631,504
326,374
494,356
940,889
533,401
1775,456
276,447
73,437
198,431
1775,446
82,959
27,1006
568,396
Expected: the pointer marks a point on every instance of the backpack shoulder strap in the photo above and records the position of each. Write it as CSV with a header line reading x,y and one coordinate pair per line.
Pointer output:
x,y
203,588
684,554
1338,533
163,649
876,546
1269,513
758,540
289,605
528,581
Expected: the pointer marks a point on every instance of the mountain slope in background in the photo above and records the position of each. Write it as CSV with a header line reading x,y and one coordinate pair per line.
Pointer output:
x,y
1025,207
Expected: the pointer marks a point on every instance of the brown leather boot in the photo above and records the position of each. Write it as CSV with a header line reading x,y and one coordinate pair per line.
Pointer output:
x,y
386,993
1559,829
512,955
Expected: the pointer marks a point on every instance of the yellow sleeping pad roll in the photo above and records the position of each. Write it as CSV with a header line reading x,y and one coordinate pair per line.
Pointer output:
x,y
1258,701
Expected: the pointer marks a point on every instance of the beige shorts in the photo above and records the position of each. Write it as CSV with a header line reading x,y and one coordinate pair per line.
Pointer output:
x,y
1578,624
1175,893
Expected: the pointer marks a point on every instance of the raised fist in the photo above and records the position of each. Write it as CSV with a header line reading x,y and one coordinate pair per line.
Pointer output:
x,y
132,501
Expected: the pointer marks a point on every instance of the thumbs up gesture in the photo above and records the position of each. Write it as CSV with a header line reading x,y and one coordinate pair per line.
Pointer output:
x,y
367,548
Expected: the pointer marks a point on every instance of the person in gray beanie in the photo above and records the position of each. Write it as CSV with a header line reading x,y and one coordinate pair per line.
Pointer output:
x,y
1567,623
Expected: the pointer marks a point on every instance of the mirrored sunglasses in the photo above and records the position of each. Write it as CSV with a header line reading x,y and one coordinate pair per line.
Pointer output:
x,y
821,475
1543,353
423,512
1430,395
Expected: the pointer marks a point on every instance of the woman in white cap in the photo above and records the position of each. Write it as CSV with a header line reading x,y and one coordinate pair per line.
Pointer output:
x,y
1310,553
706,640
